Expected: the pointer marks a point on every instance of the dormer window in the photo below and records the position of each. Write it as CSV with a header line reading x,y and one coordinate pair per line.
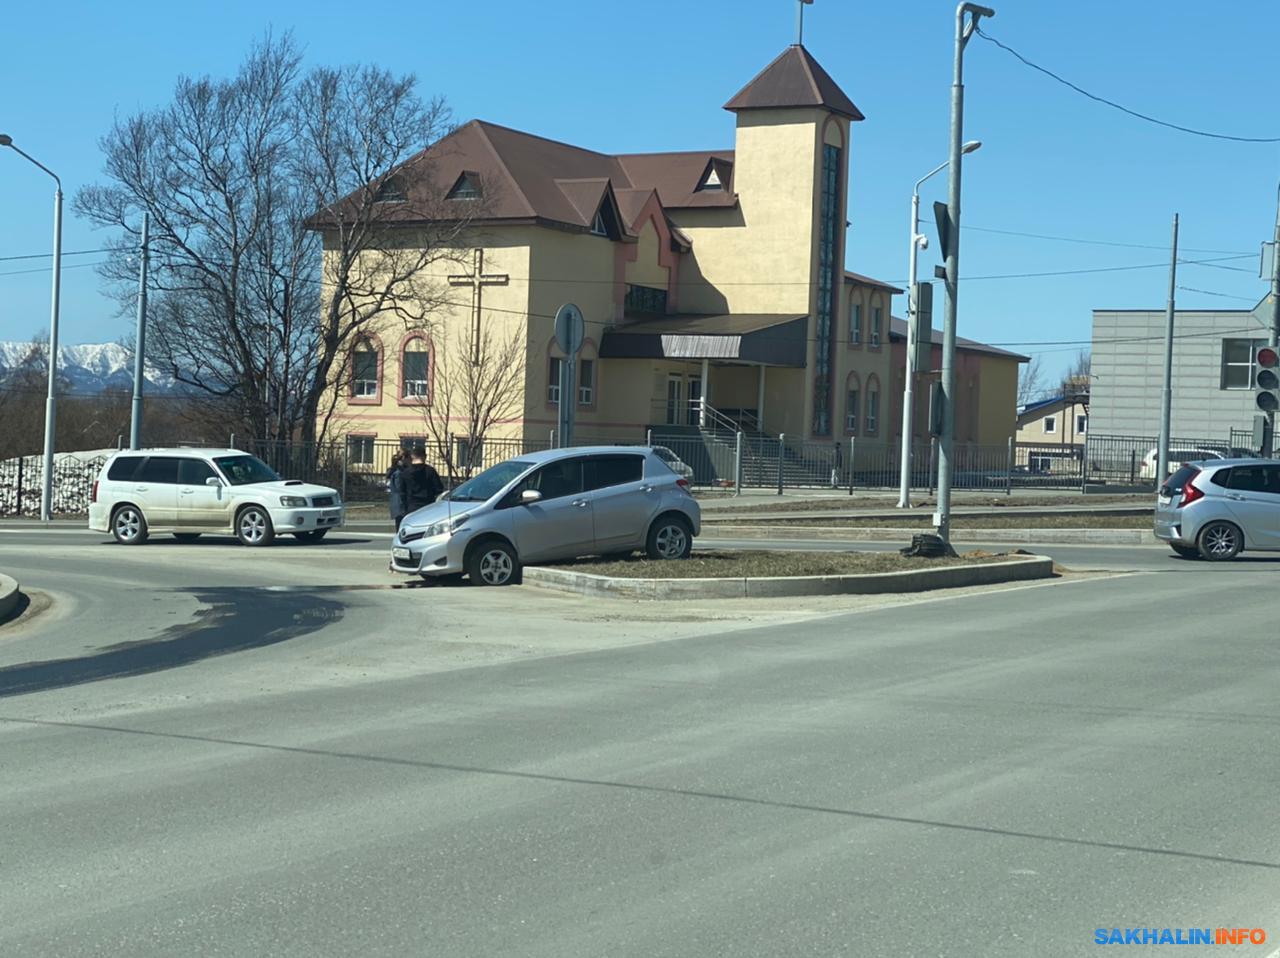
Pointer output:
x,y
712,182
466,188
390,191
598,228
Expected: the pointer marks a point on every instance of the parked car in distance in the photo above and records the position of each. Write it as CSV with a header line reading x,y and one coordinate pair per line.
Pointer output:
x,y
557,504
1217,508
674,462
190,492
1179,457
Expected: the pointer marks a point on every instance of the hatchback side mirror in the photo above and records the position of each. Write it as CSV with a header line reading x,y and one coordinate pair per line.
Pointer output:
x,y
213,481
529,497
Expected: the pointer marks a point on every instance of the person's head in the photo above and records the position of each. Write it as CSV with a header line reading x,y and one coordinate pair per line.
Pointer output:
x,y
419,453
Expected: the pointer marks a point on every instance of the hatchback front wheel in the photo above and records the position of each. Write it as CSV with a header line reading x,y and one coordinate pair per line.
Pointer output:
x,y
1220,541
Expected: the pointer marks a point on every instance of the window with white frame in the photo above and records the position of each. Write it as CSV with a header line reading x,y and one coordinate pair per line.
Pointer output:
x,y
877,321
360,450
1081,421
414,369
855,324
553,381
873,409
598,227
364,371
586,382
851,409
1238,370
1050,424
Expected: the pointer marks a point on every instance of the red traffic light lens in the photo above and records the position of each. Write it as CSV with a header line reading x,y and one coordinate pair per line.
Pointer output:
x,y
1268,357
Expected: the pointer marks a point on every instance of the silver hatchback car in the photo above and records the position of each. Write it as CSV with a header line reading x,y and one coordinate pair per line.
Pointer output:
x,y
557,504
1220,507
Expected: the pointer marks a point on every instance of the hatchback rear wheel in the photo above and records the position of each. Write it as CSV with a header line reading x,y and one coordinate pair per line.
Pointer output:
x,y
670,537
1220,541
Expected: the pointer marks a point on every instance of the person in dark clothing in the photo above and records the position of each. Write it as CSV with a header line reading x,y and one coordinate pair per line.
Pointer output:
x,y
422,485
396,490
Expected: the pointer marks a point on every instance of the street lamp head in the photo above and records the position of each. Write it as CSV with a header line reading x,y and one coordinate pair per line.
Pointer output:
x,y
6,139
971,146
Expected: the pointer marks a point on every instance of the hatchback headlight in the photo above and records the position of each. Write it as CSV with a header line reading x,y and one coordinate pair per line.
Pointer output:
x,y
445,527
293,502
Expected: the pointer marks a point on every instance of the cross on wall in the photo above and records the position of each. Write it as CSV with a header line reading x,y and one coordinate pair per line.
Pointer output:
x,y
477,280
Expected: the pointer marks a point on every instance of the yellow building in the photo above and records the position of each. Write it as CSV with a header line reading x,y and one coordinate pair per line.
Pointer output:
x,y
711,282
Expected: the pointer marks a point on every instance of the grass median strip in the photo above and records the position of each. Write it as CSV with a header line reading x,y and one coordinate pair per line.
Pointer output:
x,y
756,564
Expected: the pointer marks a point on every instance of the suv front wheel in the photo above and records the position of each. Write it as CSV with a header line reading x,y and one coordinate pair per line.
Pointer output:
x,y
253,527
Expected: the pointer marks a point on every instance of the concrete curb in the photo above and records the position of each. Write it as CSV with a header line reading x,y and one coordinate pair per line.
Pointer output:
x,y
1061,537
9,594
921,580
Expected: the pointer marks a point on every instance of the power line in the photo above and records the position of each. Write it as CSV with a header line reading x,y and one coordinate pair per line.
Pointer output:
x,y
78,252
1210,292
46,269
1118,106
1093,242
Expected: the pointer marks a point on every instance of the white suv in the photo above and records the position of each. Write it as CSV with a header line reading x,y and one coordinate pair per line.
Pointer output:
x,y
191,491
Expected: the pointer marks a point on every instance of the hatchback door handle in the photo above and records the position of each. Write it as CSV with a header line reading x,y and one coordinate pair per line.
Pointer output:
x,y
580,503
1235,497
646,488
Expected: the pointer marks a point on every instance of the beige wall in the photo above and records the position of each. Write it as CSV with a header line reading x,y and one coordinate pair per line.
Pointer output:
x,y
998,399
739,255
646,271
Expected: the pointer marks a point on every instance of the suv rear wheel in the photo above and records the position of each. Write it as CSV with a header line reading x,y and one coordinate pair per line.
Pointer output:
x,y
129,526
1220,541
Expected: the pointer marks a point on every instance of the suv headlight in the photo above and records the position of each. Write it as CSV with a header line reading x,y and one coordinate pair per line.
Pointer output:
x,y
293,502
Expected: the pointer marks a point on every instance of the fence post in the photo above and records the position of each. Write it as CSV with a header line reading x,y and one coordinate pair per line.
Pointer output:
x,y
737,463
648,437
851,451
781,439
1008,490
1084,464
933,463
18,504
232,443
1133,466
346,449
553,438
119,441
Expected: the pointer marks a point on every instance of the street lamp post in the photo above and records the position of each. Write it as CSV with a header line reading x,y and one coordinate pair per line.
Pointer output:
x,y
50,406
967,17
918,242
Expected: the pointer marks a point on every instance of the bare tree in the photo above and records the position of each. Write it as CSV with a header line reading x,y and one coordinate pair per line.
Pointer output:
x,y
1075,382
468,399
245,180
1030,381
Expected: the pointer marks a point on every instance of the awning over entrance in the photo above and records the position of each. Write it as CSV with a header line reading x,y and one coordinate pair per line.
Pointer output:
x,y
769,338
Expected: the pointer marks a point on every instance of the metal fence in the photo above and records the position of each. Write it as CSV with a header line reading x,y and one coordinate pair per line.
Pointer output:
x,y
708,458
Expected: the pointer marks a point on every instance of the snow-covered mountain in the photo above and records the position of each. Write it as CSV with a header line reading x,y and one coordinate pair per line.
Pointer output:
x,y
90,368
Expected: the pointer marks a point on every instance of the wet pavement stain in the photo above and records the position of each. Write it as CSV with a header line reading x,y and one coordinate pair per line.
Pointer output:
x,y
233,620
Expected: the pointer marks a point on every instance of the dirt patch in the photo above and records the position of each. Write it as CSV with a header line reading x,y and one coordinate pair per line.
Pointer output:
x,y
713,503
754,564
1065,520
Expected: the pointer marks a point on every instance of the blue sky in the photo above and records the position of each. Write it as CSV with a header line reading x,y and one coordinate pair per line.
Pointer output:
x,y
653,76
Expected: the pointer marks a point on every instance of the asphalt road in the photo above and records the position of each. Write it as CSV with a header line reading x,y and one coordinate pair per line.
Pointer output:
x,y
208,750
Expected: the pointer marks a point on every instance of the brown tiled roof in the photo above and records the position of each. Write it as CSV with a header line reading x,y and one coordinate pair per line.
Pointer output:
x,y
898,332
794,79
676,176
868,281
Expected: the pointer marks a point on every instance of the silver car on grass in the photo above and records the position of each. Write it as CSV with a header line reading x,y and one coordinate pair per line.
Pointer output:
x,y
558,504
1217,508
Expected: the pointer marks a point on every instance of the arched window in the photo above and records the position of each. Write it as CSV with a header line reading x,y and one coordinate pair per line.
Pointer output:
x,y
873,405
586,386
366,370
852,403
415,369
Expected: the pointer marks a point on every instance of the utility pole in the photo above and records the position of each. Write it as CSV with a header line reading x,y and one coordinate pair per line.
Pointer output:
x,y
140,345
1273,338
964,30
1166,391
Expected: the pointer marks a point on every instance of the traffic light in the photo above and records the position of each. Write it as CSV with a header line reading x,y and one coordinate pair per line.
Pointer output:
x,y
1268,395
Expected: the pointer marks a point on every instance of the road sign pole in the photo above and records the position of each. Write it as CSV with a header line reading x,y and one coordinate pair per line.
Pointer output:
x,y
1166,393
569,335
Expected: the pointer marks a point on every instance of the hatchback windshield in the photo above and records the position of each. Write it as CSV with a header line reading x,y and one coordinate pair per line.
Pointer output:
x,y
245,470
485,486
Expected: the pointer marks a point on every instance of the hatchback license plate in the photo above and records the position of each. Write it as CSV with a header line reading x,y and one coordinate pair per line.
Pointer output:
x,y
398,553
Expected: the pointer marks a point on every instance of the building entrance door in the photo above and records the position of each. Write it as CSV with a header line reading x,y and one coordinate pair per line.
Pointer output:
x,y
675,409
